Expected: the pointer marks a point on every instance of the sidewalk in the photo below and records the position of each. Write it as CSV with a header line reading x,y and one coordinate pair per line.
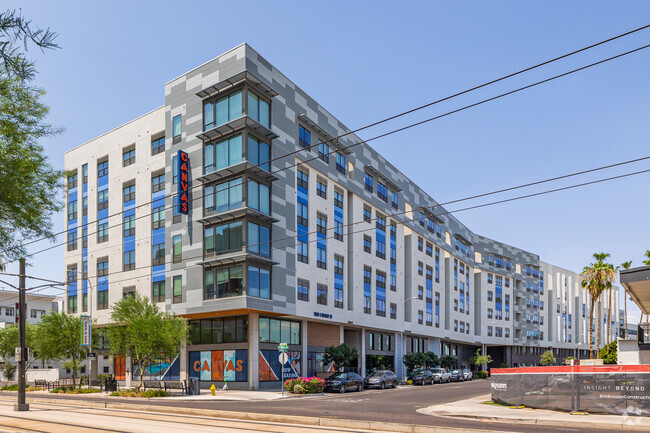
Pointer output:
x,y
474,408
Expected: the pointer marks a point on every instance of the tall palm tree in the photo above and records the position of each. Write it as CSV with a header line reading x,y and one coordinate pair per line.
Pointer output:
x,y
647,256
626,265
596,278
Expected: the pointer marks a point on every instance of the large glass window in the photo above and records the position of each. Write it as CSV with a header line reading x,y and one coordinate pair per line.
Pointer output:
x,y
102,169
304,137
129,225
102,232
158,146
158,183
223,282
259,239
177,129
223,110
259,153
158,254
258,109
340,163
128,193
222,154
216,331
223,239
128,157
177,248
129,260
324,152
72,210
224,196
158,291
279,331
259,197
259,282
102,200
178,289
158,217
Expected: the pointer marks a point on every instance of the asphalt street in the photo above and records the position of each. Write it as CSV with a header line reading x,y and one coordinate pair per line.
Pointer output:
x,y
391,405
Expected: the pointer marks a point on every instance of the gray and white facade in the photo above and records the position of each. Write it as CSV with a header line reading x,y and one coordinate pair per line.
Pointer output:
x,y
293,236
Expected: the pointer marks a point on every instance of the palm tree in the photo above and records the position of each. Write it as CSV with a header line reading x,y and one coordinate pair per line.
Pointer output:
x,y
626,265
596,278
647,256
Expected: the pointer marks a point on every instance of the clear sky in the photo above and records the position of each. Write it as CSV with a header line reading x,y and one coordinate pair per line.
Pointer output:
x,y
367,60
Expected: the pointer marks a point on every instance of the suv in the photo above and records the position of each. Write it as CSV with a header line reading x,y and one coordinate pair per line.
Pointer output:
x,y
441,375
467,374
422,376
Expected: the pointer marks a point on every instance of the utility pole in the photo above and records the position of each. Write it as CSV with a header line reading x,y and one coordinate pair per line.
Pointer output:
x,y
21,405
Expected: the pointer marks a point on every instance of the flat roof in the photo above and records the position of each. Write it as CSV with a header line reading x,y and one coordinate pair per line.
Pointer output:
x,y
636,282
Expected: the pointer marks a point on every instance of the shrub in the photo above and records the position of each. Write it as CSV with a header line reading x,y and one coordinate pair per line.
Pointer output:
x,y
134,393
9,388
154,393
72,390
481,374
305,385
9,371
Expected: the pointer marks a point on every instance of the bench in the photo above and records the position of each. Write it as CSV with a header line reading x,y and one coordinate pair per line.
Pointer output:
x,y
152,384
176,385
94,383
40,383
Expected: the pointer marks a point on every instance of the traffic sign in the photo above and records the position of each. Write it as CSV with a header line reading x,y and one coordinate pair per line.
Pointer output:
x,y
283,347
91,355
17,353
283,358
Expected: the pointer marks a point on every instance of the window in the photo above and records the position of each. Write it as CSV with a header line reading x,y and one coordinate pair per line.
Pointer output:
x,y
72,180
279,331
128,260
420,244
367,289
420,292
420,317
369,183
102,267
491,260
367,244
102,169
338,297
227,330
394,200
489,278
321,224
178,289
324,152
259,153
429,249
321,189
340,163
259,282
129,225
303,214
84,206
303,252
321,257
338,265
128,157
489,313
381,308
158,255
102,200
158,146
222,110
102,232
489,331
222,154
72,240
507,282
176,129
302,179
304,137
224,196
382,191
393,311
508,266
321,294
102,300
259,239
489,295
455,304
338,199
158,217
258,109
177,250
303,290
221,239
338,230
84,173
259,197
366,214
420,268
158,183
9,311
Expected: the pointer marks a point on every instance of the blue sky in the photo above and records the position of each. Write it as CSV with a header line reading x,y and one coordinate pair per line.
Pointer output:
x,y
367,60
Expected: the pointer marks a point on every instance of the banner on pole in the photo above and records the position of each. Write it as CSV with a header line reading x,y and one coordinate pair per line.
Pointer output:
x,y
85,331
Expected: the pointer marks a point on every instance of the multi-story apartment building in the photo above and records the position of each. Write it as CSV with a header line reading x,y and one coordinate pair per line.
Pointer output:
x,y
235,205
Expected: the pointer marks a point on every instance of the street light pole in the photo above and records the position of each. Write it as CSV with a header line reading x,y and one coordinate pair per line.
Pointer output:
x,y
21,405
401,332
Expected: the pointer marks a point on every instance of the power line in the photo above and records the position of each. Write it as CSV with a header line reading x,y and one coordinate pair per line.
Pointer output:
x,y
390,132
335,139
404,223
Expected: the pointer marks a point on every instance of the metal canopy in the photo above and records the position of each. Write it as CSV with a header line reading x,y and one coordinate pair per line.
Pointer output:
x,y
636,282
235,258
234,126
389,183
235,80
320,131
428,212
237,214
236,169
462,238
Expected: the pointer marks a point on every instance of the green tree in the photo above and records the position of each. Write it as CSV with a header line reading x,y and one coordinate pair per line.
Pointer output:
x,y
9,371
414,360
341,356
596,278
608,353
432,359
58,340
448,362
647,256
481,361
142,331
547,358
626,265
29,185
9,341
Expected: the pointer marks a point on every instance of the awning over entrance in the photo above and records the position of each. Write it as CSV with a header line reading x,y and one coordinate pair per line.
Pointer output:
x,y
637,283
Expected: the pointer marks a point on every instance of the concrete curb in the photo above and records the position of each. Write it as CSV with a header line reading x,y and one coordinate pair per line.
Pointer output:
x,y
247,416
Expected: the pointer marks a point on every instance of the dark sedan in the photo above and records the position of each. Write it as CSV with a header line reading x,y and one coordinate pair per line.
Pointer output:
x,y
342,382
381,379
457,376
422,377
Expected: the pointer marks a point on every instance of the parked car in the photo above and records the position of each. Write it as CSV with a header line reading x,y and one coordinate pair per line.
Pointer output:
x,y
440,375
381,379
342,382
467,374
421,376
457,376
